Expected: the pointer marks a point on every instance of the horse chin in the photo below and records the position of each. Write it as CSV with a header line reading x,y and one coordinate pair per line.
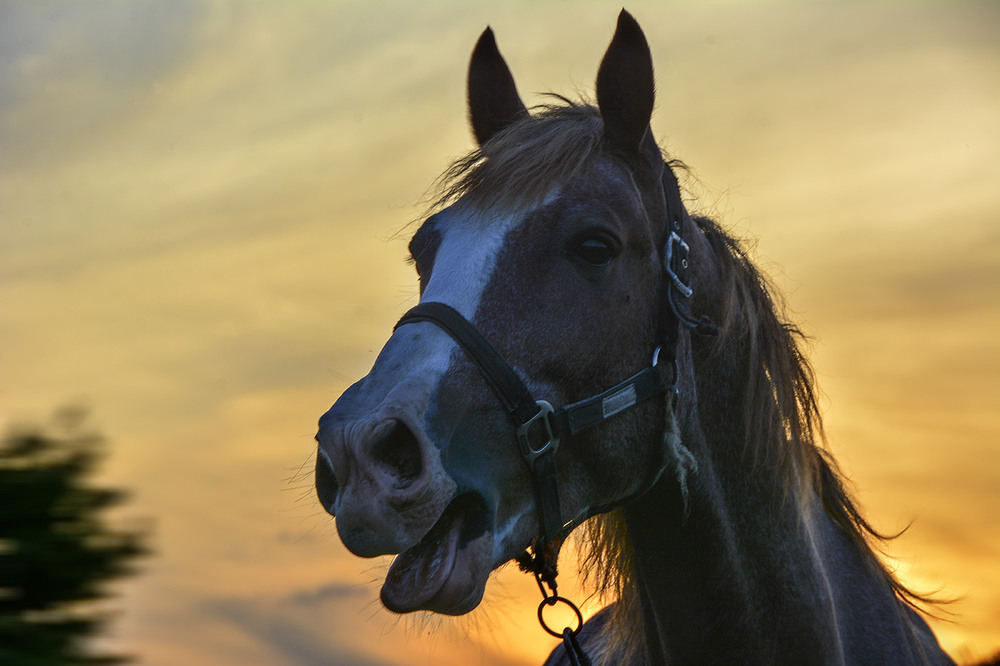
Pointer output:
x,y
446,572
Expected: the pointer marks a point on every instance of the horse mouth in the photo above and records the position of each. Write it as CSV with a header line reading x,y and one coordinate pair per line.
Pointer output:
x,y
446,570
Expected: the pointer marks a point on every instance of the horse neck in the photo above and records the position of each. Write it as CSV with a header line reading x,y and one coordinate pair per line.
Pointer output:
x,y
707,565
744,564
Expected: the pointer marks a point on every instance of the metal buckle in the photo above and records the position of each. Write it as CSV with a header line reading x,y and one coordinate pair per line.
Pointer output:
x,y
668,261
524,439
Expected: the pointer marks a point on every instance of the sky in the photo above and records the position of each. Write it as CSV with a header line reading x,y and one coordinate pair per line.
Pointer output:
x,y
203,218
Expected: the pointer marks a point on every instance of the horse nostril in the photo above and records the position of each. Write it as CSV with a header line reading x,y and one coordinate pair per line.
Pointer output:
x,y
326,483
397,452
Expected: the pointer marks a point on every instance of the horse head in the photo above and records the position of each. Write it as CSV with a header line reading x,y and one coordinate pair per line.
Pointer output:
x,y
551,250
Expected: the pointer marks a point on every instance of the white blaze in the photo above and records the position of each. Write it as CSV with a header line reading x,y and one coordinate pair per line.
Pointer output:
x,y
463,265
466,258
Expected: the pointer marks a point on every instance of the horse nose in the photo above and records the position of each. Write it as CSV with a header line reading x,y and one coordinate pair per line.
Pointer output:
x,y
396,455
382,481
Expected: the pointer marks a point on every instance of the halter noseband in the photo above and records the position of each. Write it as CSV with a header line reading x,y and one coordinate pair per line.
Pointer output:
x,y
541,427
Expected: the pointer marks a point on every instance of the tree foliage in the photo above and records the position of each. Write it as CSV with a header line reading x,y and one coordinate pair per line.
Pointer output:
x,y
57,550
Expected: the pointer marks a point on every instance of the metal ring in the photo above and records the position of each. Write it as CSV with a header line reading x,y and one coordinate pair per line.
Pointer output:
x,y
552,601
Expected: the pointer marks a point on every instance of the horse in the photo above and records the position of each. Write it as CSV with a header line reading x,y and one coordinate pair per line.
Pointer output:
x,y
585,352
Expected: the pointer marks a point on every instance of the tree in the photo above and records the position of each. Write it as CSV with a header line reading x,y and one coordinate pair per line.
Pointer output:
x,y
57,551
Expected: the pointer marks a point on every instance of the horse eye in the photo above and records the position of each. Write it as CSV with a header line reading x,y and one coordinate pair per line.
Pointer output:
x,y
595,251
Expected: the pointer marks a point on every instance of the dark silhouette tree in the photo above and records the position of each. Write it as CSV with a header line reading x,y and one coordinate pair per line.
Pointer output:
x,y
57,550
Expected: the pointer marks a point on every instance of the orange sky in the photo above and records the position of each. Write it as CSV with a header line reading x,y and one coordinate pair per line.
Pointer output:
x,y
198,204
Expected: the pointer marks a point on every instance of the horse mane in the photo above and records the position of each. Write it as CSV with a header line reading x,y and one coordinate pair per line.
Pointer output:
x,y
520,165
783,419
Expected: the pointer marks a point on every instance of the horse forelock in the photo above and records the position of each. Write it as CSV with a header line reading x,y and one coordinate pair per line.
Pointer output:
x,y
522,164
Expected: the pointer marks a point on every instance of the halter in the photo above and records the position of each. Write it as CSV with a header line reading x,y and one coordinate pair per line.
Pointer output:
x,y
541,427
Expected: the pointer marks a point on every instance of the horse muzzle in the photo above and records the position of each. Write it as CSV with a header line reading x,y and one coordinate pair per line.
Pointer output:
x,y
382,480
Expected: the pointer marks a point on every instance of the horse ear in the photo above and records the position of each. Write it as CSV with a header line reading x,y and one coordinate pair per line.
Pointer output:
x,y
625,85
493,99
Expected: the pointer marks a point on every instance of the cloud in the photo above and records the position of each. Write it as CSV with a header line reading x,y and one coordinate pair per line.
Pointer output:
x,y
290,639
330,591
69,75
334,624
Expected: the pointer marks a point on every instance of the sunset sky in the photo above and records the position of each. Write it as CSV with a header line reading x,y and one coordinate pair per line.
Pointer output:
x,y
200,207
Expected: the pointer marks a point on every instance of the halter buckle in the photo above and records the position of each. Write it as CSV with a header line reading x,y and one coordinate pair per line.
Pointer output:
x,y
530,453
